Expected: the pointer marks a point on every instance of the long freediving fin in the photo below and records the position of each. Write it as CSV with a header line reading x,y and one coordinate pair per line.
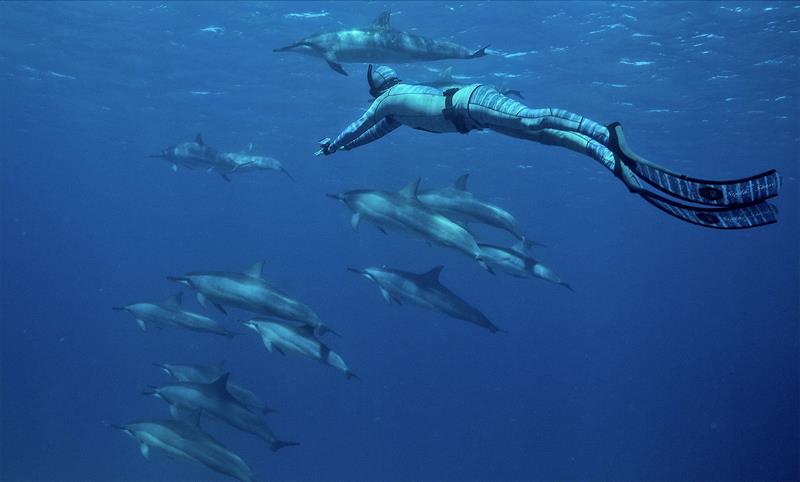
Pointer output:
x,y
732,217
735,192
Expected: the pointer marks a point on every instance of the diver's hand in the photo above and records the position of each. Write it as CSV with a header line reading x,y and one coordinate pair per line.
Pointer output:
x,y
325,148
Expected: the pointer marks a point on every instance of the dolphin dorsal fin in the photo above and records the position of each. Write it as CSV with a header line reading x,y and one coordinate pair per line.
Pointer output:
x,y
446,75
221,383
461,182
175,300
382,22
410,191
432,276
199,139
255,270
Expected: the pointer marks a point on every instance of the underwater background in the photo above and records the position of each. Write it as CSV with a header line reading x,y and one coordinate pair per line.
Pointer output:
x,y
676,358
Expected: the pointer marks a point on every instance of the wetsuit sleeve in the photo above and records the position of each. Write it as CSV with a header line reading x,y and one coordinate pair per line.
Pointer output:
x,y
380,129
354,130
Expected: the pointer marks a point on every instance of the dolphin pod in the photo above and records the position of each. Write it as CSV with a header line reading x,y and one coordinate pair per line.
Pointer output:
x,y
377,43
404,211
197,155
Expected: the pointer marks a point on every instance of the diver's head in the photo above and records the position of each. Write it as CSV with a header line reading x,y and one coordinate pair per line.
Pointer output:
x,y
380,78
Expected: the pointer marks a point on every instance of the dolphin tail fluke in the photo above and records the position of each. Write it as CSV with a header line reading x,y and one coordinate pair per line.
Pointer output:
x,y
567,286
499,330
279,444
283,170
348,374
481,52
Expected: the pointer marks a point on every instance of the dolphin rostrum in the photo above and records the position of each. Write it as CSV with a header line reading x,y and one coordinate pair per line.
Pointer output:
x,y
285,338
192,155
426,291
187,441
517,263
404,211
446,81
170,313
215,399
209,373
378,43
248,291
459,204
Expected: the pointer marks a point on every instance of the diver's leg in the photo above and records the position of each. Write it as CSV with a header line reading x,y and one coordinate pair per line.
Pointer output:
x,y
733,217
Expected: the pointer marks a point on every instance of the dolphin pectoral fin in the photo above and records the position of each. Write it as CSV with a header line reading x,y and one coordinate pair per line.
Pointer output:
x,y
145,450
332,63
141,324
174,167
278,350
386,295
381,230
397,301
355,220
201,298
220,308
225,176
174,412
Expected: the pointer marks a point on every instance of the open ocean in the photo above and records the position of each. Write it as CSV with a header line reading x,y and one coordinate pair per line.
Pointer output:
x,y
676,358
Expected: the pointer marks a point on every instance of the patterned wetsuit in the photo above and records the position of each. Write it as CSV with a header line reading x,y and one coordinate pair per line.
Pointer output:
x,y
480,107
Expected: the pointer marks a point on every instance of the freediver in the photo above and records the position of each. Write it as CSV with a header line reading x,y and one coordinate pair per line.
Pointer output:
x,y
737,204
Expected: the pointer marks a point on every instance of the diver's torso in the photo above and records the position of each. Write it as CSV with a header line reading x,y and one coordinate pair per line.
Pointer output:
x,y
421,106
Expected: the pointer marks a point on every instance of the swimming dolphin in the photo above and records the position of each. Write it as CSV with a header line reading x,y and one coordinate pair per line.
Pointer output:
x,y
207,374
215,399
250,292
231,162
517,263
458,204
187,441
285,338
192,155
404,211
445,81
424,290
169,313
378,43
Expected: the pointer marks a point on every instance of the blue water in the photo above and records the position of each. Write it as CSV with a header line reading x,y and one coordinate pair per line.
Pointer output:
x,y
676,358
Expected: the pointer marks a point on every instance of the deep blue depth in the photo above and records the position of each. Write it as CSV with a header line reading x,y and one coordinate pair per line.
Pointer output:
x,y
676,358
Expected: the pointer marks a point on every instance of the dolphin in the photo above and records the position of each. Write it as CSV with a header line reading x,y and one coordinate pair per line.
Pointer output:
x,y
248,291
215,399
284,337
187,441
445,81
231,162
192,155
424,290
378,43
403,211
169,313
459,204
209,373
517,263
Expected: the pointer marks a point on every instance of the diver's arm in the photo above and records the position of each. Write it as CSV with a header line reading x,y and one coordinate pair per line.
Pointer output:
x,y
380,129
354,130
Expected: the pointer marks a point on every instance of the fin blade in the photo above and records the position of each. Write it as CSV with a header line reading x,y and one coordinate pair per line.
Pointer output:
x,y
461,182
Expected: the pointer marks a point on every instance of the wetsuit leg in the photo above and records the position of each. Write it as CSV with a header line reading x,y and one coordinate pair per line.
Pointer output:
x,y
488,107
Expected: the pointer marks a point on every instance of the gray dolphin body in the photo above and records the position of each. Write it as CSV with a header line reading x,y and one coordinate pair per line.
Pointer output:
x,y
403,211
170,313
301,340
426,291
378,43
207,374
248,291
183,440
446,81
231,162
517,263
459,204
215,400
192,155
